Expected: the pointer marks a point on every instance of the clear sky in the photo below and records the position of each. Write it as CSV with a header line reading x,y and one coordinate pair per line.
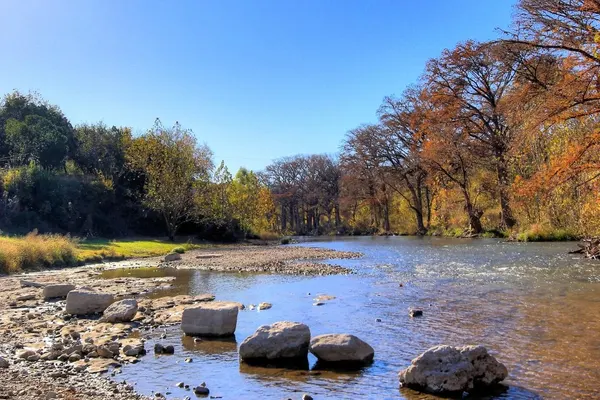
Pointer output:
x,y
254,79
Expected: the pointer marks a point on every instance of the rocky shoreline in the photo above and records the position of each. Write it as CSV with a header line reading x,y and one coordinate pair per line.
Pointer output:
x,y
46,353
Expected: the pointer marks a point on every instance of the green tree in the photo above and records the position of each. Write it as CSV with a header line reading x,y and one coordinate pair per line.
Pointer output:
x,y
31,129
175,170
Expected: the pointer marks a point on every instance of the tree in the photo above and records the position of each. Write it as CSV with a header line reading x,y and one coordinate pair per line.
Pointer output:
x,y
101,150
31,130
470,83
174,168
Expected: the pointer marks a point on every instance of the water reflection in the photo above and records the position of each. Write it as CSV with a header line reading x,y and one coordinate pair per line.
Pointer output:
x,y
534,306
209,346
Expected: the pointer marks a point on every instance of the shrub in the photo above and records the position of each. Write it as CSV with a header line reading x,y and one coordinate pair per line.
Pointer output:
x,y
179,250
35,251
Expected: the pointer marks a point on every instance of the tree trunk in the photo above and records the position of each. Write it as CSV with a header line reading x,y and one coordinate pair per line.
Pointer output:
x,y
508,221
474,214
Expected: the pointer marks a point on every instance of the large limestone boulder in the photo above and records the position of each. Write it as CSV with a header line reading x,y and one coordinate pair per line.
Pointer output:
x,y
446,369
218,318
121,311
83,302
282,340
334,348
57,291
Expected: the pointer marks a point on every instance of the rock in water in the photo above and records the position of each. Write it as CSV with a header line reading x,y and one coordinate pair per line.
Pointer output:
x,y
334,348
264,306
210,319
415,313
82,302
201,391
172,257
57,291
282,340
448,369
121,311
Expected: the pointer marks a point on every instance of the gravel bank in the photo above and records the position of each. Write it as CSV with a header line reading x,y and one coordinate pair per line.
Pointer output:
x,y
32,329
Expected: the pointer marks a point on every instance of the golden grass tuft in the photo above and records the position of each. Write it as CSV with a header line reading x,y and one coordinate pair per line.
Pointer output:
x,y
36,251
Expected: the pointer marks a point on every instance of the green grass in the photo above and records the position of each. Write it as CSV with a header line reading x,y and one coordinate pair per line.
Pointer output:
x,y
33,251
537,233
98,249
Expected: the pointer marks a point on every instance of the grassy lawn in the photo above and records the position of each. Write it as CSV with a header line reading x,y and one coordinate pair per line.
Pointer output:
x,y
98,249
19,253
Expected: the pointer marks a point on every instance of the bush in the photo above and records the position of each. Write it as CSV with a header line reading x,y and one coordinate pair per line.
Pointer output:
x,y
36,251
179,250
539,233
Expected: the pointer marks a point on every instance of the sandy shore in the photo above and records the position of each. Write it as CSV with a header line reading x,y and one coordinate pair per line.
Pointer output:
x,y
27,322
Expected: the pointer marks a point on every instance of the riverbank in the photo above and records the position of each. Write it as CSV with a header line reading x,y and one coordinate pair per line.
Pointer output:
x,y
28,322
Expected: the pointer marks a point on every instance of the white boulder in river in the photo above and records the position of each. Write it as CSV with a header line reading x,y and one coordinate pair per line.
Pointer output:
x,y
84,301
282,340
217,318
57,291
334,348
121,311
445,369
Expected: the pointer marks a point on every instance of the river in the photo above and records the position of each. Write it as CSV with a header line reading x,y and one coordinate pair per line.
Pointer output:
x,y
535,307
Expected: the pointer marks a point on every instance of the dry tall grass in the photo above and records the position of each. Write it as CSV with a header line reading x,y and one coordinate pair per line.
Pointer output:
x,y
36,251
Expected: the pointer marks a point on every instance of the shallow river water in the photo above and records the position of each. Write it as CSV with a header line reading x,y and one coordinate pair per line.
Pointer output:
x,y
535,307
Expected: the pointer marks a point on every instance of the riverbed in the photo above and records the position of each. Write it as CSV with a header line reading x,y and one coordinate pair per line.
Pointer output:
x,y
535,307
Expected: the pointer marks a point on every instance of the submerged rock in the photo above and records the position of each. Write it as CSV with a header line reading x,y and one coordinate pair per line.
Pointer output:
x,y
334,348
282,340
210,319
264,306
121,311
448,369
83,302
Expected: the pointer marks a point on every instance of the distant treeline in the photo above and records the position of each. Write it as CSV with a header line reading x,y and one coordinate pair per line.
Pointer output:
x,y
500,137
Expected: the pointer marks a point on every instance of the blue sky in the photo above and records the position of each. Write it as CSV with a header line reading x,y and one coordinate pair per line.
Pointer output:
x,y
254,79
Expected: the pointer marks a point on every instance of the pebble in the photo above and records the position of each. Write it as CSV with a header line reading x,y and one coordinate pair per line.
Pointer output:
x,y
179,384
307,397
264,306
188,360
318,303
3,363
378,320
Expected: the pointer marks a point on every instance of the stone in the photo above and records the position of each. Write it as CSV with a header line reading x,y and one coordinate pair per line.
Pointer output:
x,y
120,311
25,353
34,357
179,384
264,306
306,397
134,351
63,357
415,313
75,335
83,302
282,340
201,391
345,348
216,318
74,357
3,363
318,303
31,284
104,352
448,369
26,297
172,257
51,395
169,349
57,291
158,348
